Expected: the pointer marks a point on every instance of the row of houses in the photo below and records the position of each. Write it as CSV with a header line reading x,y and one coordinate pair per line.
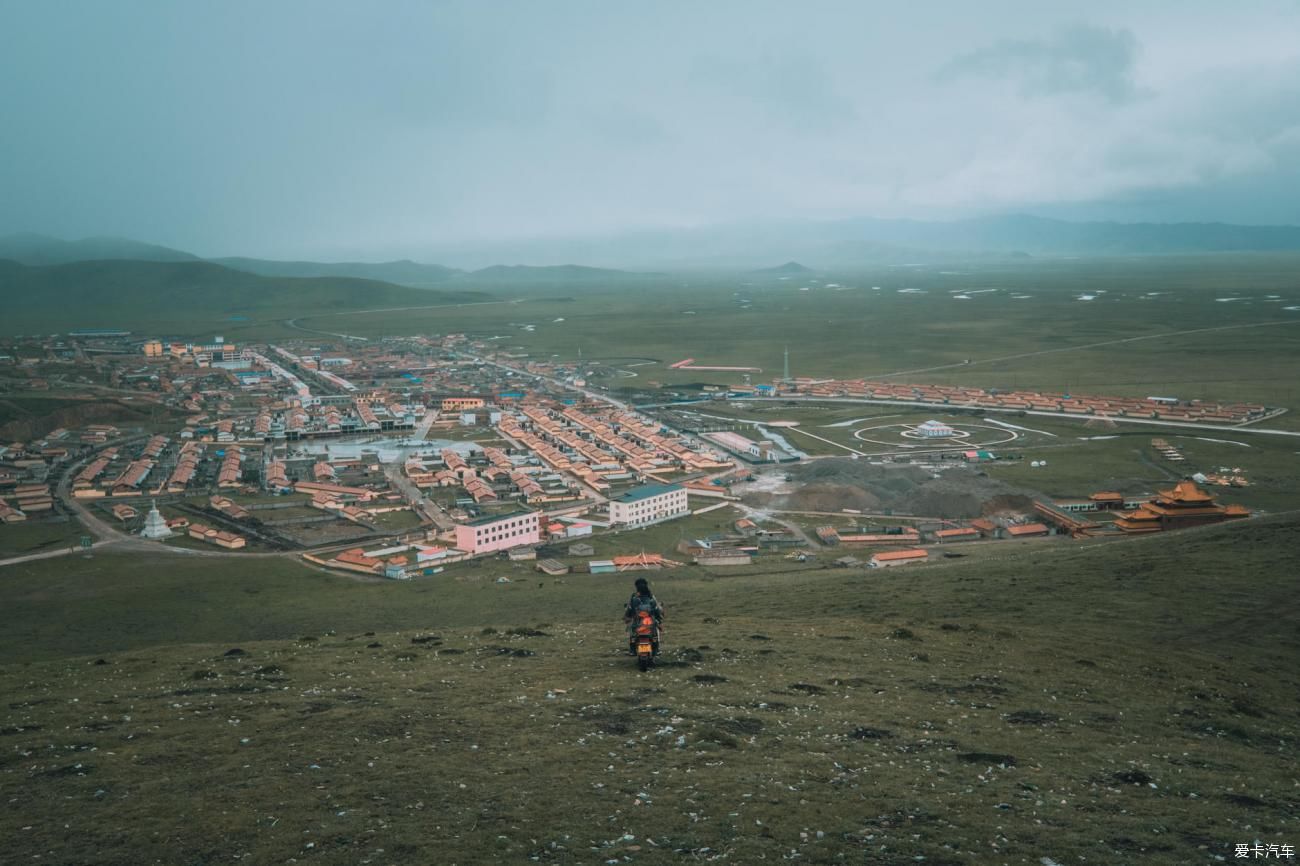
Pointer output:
x,y
903,536
1164,408
25,499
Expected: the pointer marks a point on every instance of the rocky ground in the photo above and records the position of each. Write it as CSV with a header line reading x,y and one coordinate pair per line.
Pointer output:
x,y
834,484
1119,704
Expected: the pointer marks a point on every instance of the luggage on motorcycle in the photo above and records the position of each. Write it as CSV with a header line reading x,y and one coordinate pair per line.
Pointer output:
x,y
645,623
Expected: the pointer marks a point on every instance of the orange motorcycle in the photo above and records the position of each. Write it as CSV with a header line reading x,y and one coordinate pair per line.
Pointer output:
x,y
645,639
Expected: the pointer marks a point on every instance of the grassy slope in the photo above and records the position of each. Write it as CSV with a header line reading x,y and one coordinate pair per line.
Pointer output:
x,y
402,273
38,535
140,295
1129,702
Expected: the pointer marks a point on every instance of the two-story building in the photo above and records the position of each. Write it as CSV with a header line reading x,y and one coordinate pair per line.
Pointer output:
x,y
650,503
499,532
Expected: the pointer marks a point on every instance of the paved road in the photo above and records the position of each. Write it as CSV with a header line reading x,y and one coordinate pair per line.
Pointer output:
x,y
795,528
1151,422
50,554
429,509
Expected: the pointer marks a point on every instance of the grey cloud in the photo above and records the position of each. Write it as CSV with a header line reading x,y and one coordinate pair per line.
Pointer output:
x,y
1076,59
325,128
789,87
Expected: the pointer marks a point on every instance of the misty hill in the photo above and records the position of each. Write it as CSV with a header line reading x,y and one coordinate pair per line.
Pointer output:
x,y
548,273
826,712
1031,234
402,273
113,293
36,249
791,268
869,241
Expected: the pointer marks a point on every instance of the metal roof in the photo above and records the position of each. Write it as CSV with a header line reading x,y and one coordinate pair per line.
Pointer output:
x,y
646,491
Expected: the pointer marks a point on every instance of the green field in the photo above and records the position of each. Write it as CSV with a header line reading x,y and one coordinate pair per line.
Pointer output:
x,y
37,535
861,332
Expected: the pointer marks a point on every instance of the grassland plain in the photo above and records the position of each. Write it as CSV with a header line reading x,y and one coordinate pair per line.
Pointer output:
x,y
1010,312
1129,702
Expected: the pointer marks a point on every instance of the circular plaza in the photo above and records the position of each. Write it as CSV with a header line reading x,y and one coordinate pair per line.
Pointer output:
x,y
935,435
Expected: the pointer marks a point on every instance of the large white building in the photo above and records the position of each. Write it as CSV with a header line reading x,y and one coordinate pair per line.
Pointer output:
x,y
648,504
935,430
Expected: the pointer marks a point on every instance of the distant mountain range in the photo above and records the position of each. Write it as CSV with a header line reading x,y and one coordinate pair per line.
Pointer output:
x,y
547,274
34,249
746,246
402,273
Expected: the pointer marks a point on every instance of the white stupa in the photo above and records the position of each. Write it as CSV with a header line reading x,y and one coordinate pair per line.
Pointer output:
x,y
154,525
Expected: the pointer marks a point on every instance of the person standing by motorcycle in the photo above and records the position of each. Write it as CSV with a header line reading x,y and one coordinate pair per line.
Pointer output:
x,y
642,599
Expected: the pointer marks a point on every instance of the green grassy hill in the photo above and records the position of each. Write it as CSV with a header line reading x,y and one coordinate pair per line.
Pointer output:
x,y
402,273
126,293
1121,702
36,249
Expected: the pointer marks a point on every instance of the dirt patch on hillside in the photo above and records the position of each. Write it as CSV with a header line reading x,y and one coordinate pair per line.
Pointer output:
x,y
833,485
30,425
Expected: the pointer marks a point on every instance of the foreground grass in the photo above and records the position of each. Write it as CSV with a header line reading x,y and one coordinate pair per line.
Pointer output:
x,y
843,742
1106,703
39,536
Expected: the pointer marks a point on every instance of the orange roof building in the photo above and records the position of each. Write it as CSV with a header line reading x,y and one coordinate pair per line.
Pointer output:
x,y
890,558
1107,500
965,533
1028,530
1185,505
356,557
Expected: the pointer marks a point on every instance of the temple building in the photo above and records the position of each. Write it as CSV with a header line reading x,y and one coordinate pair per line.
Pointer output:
x,y
934,430
1185,505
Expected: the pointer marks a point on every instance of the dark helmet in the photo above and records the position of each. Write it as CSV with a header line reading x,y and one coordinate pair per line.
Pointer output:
x,y
643,586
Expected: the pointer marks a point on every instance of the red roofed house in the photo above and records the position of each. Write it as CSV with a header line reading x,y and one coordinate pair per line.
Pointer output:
x,y
966,533
890,558
1028,530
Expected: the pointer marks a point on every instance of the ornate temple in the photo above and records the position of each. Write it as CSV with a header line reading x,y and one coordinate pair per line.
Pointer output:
x,y
1185,505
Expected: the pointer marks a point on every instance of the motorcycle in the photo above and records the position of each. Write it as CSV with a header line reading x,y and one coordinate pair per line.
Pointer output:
x,y
645,639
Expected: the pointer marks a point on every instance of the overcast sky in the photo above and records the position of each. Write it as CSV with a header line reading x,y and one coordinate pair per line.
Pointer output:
x,y
318,129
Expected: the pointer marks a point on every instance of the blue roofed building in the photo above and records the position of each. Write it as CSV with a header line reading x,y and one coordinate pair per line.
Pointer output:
x,y
647,504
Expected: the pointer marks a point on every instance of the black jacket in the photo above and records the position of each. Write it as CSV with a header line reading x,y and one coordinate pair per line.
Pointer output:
x,y
637,600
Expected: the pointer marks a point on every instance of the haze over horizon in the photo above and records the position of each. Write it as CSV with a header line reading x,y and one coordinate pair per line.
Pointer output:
x,y
335,131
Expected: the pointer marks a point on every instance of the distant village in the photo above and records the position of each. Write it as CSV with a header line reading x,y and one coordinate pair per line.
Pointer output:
x,y
404,457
